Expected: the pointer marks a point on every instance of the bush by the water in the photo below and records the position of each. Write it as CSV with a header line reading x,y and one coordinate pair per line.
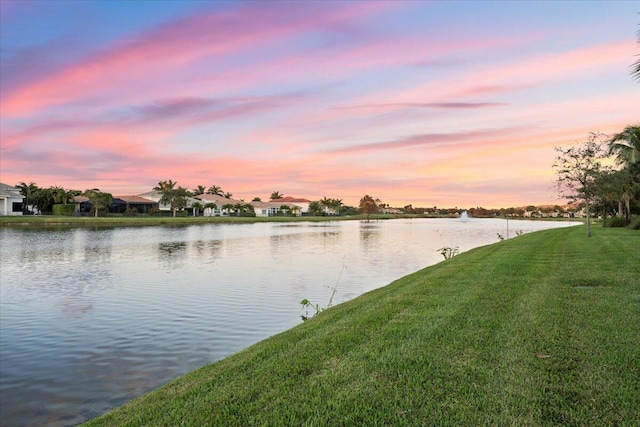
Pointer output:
x,y
64,210
635,223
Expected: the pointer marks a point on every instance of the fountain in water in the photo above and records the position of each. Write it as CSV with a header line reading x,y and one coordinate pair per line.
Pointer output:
x,y
464,216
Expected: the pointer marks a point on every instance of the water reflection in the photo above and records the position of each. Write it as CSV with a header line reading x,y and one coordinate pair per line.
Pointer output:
x,y
172,253
369,235
92,318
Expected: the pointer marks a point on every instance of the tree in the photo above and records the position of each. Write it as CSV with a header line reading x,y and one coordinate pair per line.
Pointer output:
x,y
336,204
28,191
197,207
610,192
43,199
256,199
99,200
227,195
315,208
200,189
325,203
229,207
368,206
625,146
635,70
214,189
176,198
62,196
577,169
276,195
285,209
212,206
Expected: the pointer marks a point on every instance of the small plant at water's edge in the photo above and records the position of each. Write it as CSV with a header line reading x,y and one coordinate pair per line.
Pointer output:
x,y
500,237
306,304
448,252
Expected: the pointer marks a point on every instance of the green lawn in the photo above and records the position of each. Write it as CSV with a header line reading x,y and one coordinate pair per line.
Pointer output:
x,y
120,221
462,343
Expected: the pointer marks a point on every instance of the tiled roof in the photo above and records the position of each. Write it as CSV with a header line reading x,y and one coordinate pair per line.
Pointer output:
x,y
134,199
289,199
9,191
218,200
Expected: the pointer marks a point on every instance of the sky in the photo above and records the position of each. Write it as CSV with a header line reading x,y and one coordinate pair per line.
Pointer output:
x,y
437,103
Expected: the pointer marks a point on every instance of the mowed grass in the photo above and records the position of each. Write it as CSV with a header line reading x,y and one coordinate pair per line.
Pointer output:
x,y
540,330
123,221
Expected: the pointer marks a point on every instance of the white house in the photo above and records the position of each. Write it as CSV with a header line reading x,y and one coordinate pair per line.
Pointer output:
x,y
155,196
219,201
264,208
10,200
302,205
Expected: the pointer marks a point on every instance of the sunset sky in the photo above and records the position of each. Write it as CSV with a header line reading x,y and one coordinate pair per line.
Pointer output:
x,y
429,103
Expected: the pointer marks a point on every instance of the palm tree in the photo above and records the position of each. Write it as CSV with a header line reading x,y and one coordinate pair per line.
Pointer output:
x,y
315,208
215,190
228,207
635,71
60,195
200,189
165,186
212,206
336,204
227,195
626,148
276,195
197,207
325,202
27,190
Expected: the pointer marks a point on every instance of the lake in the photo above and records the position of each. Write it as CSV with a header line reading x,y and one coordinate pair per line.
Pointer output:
x,y
90,318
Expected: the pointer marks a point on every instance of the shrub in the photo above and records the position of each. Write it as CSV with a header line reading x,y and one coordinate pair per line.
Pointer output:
x,y
615,221
131,212
64,210
635,223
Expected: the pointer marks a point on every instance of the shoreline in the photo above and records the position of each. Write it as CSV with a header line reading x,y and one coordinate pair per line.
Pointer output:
x,y
72,221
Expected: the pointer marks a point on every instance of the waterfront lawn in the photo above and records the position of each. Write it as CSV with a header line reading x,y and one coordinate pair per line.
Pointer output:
x,y
539,330
123,221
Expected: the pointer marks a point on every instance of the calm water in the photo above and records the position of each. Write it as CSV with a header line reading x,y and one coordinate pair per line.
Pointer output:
x,y
91,318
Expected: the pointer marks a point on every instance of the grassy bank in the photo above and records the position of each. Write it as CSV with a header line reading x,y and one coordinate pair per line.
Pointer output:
x,y
122,221
540,330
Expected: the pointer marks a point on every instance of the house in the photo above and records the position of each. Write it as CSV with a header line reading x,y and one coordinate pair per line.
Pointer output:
x,y
301,206
264,208
83,206
393,211
10,200
120,204
219,201
155,196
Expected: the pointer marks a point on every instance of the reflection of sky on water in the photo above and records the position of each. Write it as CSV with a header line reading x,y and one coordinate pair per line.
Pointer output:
x,y
92,318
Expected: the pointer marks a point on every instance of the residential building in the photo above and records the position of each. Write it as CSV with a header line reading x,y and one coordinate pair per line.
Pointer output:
x,y
10,200
219,201
302,205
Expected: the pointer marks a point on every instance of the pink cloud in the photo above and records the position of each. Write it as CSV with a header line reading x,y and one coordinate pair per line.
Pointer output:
x,y
172,47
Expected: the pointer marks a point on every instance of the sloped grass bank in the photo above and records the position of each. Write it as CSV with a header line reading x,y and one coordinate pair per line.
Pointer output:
x,y
541,330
